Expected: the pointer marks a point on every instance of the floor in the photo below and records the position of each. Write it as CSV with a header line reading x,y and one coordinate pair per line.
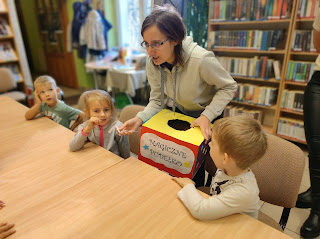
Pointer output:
x,y
297,215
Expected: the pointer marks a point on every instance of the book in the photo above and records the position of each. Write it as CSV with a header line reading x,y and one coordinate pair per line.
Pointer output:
x,y
263,67
313,8
4,28
7,53
276,69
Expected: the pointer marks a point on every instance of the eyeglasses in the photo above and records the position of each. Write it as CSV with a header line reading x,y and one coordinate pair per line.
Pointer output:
x,y
155,45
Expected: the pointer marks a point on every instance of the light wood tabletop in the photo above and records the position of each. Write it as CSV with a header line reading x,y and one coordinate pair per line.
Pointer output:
x,y
35,160
129,200
51,192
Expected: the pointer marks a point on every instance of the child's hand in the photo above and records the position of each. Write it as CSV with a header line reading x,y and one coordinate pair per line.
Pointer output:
x,y
6,230
2,204
93,121
38,99
183,181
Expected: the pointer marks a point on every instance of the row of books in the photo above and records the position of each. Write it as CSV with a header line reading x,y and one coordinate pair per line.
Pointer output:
x,y
299,71
249,10
256,67
302,40
258,95
250,39
307,8
7,53
230,110
292,100
291,128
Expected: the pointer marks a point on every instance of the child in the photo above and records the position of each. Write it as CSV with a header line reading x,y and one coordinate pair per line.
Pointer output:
x,y
101,128
237,142
5,228
48,104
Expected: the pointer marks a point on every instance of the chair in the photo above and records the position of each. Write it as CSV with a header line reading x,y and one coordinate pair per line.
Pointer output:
x,y
127,113
8,86
279,174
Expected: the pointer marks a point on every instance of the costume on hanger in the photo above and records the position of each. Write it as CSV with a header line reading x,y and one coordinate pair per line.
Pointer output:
x,y
93,34
80,12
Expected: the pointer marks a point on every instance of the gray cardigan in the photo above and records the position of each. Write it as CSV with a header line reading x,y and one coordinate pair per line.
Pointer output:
x,y
116,144
203,85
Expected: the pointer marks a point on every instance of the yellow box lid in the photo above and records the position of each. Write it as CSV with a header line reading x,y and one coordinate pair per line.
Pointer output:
x,y
159,122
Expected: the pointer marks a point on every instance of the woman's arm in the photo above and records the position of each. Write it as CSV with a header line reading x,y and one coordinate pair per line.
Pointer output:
x,y
213,73
154,105
316,31
316,40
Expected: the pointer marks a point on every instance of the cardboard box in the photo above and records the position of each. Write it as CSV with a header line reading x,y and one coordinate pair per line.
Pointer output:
x,y
178,151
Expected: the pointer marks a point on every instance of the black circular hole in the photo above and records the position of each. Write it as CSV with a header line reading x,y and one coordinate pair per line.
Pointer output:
x,y
179,124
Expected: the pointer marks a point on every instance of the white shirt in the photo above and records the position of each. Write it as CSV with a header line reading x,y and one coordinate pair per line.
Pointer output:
x,y
231,195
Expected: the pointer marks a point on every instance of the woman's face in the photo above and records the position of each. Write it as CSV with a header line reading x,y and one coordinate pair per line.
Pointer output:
x,y
165,52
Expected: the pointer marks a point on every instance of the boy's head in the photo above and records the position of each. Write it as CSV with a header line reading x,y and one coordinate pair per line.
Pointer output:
x,y
241,138
47,89
42,80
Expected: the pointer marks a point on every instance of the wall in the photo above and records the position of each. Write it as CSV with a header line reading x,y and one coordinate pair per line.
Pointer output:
x,y
85,80
110,13
30,21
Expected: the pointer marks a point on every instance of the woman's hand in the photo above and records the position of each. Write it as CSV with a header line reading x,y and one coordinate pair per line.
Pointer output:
x,y
205,126
130,126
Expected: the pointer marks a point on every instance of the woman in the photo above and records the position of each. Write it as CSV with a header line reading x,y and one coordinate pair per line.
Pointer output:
x,y
183,76
311,198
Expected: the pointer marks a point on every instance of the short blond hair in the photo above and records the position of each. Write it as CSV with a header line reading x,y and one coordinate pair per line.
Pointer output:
x,y
100,95
242,138
41,80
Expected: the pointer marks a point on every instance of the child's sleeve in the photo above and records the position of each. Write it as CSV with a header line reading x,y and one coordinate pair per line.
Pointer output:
x,y
79,139
72,113
234,200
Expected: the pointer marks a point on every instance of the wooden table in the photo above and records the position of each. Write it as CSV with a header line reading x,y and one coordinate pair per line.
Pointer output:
x,y
35,160
100,65
51,192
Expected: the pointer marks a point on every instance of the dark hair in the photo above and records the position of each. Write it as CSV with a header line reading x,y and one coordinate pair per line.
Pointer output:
x,y
170,23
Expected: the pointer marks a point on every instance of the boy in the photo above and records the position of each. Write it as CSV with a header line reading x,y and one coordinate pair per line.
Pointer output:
x,y
237,142
47,103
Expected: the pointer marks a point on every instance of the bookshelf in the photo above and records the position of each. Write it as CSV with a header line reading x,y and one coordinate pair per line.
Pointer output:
x,y
12,52
255,43
298,71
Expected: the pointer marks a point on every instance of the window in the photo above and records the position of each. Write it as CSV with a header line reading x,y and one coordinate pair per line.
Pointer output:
x,y
131,14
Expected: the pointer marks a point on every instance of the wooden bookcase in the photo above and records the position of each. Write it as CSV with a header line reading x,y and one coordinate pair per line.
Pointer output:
x,y
287,22
304,56
12,50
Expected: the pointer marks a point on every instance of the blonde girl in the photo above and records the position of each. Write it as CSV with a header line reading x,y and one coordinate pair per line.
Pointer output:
x,y
101,127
